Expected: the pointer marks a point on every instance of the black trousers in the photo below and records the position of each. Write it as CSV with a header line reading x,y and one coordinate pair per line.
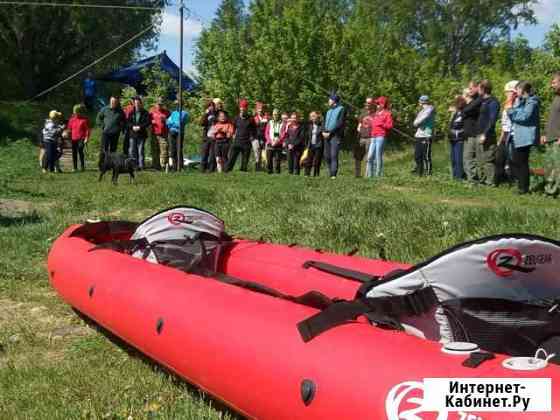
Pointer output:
x,y
208,158
109,142
78,150
520,163
51,150
314,159
273,158
423,155
245,150
294,157
126,142
503,159
221,149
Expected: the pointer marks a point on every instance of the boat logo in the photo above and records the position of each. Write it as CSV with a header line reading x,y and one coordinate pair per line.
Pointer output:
x,y
505,261
177,219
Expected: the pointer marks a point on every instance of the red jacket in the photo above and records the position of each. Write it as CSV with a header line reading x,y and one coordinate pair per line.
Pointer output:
x,y
159,118
381,123
79,127
283,133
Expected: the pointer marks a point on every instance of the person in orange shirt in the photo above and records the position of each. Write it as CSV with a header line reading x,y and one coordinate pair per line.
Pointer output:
x,y
222,134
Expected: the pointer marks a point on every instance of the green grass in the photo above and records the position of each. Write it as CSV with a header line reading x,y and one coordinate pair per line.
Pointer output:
x,y
87,374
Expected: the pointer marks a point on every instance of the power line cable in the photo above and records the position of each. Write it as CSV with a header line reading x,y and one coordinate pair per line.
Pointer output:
x,y
138,35
77,5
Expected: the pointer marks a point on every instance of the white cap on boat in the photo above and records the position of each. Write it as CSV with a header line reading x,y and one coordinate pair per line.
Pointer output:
x,y
460,348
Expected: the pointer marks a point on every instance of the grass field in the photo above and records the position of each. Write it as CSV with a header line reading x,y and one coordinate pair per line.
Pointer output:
x,y
55,366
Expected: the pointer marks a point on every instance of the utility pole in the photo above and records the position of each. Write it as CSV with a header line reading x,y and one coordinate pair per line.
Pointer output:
x,y
181,134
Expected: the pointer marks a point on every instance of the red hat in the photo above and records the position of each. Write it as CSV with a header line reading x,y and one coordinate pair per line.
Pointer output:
x,y
382,101
243,104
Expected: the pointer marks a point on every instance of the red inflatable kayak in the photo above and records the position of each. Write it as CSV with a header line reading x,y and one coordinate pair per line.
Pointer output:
x,y
243,346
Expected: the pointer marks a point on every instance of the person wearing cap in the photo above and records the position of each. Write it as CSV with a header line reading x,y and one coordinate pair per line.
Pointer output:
x,y
223,132
471,114
486,140
112,121
424,124
381,125
361,147
159,142
174,123
261,120
138,124
333,133
78,125
52,138
245,131
525,116
552,140
505,145
275,136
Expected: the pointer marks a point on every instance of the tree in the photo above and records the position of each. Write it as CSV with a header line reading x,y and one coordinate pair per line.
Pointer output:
x,y
43,44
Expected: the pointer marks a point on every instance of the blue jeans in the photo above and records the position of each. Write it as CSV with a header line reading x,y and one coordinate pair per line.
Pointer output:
x,y
331,150
136,150
456,154
375,157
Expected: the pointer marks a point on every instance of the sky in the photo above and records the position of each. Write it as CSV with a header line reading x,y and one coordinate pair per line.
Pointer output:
x,y
547,13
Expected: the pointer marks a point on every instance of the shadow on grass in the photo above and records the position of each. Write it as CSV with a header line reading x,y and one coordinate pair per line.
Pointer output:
x,y
8,221
176,379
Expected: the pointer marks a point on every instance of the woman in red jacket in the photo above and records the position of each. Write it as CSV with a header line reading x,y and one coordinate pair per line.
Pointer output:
x,y
78,125
381,124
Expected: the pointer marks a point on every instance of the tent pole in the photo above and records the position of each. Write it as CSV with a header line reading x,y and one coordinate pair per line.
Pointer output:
x,y
181,134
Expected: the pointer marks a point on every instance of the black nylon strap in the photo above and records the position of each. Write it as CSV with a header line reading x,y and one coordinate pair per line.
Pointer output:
x,y
341,271
388,307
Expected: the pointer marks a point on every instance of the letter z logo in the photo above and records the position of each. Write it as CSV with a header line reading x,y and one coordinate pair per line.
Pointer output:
x,y
504,262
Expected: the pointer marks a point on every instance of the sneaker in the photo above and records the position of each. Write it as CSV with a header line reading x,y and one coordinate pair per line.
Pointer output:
x,y
333,177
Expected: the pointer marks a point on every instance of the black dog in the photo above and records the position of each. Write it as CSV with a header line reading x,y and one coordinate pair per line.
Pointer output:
x,y
118,163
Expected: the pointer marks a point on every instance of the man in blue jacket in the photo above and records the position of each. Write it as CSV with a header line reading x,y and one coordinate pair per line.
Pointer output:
x,y
173,123
486,147
333,133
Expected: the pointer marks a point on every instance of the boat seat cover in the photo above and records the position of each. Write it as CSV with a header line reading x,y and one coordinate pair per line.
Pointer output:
x,y
517,268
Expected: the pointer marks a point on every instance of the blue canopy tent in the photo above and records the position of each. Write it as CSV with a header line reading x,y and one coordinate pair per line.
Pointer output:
x,y
132,74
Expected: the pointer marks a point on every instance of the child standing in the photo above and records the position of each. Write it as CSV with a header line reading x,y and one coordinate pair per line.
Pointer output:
x,y
295,142
79,128
52,138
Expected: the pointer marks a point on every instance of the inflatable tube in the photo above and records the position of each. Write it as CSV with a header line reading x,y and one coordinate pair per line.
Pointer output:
x,y
244,348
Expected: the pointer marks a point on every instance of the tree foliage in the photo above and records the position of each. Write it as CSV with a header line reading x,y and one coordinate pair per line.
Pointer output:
x,y
291,53
42,44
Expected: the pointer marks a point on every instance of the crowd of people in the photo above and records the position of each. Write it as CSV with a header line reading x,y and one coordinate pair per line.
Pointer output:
x,y
477,154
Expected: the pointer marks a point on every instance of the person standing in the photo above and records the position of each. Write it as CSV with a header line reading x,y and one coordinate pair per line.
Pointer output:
x,y
223,133
275,135
78,125
245,131
424,124
112,121
173,123
552,140
295,143
457,138
207,146
52,138
90,91
128,110
333,134
258,144
381,124
138,124
314,144
504,148
525,117
160,147
361,148
486,146
471,113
